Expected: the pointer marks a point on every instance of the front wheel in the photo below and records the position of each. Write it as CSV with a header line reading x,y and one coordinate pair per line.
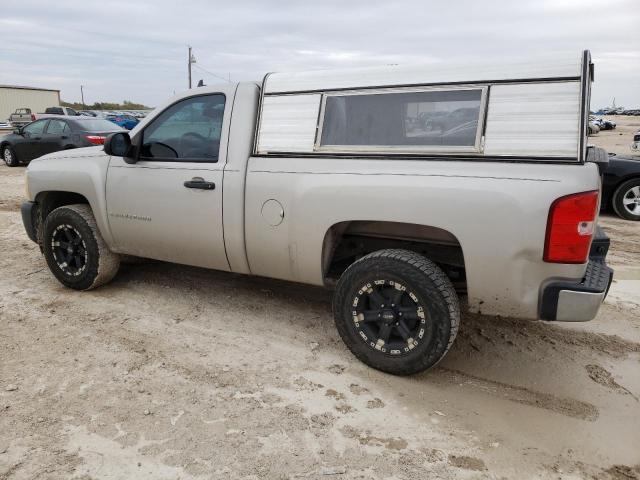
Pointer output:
x,y
396,311
626,200
9,156
75,252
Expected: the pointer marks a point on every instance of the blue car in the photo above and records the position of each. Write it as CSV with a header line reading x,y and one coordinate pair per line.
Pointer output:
x,y
124,121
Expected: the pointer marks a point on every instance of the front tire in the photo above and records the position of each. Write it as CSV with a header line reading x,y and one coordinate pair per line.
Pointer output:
x,y
9,156
626,200
75,252
396,311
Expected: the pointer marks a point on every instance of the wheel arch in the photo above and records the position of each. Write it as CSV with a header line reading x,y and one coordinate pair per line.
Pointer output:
x,y
49,200
626,178
64,179
346,241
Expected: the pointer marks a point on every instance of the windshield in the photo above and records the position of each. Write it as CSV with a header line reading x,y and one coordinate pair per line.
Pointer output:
x,y
98,125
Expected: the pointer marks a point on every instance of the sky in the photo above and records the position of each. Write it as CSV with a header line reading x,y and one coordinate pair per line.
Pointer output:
x,y
137,49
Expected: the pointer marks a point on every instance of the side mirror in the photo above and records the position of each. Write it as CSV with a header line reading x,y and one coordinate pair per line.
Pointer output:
x,y
118,145
17,130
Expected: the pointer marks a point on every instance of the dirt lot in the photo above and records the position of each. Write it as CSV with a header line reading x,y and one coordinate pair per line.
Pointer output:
x,y
173,372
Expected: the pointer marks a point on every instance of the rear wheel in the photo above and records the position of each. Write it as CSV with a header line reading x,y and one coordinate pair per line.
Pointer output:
x,y
396,311
74,249
626,200
9,156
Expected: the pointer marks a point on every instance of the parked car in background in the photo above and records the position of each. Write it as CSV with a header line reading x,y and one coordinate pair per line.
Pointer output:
x,y
609,124
635,146
593,128
21,117
124,121
604,124
53,134
621,186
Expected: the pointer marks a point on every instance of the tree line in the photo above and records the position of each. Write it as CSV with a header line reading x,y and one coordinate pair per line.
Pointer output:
x,y
125,105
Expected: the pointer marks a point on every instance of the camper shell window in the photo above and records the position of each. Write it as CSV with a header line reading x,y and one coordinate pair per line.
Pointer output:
x,y
407,120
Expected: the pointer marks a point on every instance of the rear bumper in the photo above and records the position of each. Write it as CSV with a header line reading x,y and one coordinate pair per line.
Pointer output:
x,y
568,301
28,209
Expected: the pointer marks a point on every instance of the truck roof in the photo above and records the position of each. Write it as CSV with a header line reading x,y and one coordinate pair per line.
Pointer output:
x,y
560,66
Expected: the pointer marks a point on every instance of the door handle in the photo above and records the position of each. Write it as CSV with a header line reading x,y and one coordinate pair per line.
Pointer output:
x,y
64,137
200,183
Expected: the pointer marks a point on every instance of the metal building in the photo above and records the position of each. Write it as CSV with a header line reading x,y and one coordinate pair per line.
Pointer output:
x,y
37,99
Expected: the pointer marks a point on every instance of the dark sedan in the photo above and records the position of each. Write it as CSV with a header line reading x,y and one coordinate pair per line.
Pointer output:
x,y
621,186
53,134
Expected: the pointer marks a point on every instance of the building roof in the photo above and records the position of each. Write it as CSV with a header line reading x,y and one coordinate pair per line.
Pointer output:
x,y
22,87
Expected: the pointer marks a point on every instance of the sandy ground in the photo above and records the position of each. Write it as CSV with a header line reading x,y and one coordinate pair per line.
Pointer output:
x,y
173,372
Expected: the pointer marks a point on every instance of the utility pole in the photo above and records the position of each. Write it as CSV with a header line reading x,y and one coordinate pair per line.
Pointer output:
x,y
82,96
192,59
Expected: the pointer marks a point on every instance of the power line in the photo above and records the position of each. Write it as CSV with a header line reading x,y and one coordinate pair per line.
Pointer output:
x,y
211,73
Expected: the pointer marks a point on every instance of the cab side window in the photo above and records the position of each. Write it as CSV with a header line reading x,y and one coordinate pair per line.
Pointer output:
x,y
188,131
35,127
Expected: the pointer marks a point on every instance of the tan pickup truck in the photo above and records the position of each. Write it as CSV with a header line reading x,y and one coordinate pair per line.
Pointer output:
x,y
401,188
24,116
21,117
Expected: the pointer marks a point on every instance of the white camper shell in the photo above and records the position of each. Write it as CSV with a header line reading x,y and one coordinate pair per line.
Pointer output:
x,y
522,111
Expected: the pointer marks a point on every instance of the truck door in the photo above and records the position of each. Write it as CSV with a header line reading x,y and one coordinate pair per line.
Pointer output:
x,y
168,204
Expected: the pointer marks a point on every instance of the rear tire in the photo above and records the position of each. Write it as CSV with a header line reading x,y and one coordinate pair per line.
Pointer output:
x,y
396,311
75,252
626,200
9,156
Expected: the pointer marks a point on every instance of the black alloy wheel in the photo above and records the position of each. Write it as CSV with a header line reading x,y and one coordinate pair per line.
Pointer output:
x,y
69,250
390,317
396,311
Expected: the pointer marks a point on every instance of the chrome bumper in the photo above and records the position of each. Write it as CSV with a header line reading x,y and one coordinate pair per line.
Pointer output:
x,y
578,306
568,301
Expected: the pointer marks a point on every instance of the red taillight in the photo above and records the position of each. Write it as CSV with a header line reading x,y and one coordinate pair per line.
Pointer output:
x,y
570,228
96,139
